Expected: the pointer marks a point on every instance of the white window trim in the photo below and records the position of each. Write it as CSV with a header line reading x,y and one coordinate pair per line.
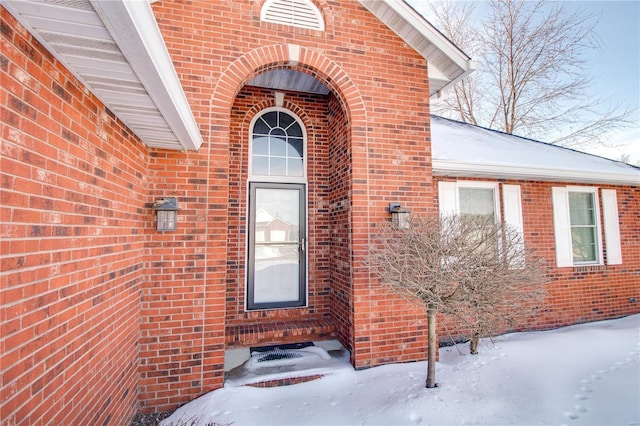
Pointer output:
x,y
278,179
510,198
445,195
562,226
611,227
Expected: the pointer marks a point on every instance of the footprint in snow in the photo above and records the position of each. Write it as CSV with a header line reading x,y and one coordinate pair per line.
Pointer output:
x,y
598,375
571,415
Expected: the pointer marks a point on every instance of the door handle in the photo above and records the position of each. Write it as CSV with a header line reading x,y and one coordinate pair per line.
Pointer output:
x,y
301,245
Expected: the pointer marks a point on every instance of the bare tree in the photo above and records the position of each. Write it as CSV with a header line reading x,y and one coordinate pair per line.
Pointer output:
x,y
466,267
501,283
533,79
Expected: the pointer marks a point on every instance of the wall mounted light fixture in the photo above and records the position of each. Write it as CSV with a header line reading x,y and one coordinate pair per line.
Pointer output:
x,y
167,214
400,216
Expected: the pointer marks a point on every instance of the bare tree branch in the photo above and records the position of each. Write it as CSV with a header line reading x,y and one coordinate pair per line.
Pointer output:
x,y
533,79
468,267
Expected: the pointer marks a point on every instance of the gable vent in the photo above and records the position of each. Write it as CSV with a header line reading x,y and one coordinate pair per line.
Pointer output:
x,y
298,13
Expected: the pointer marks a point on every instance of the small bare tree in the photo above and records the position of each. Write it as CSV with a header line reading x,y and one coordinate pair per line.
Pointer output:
x,y
500,282
466,267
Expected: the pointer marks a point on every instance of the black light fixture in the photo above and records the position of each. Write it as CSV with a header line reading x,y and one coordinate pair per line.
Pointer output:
x,y
167,214
400,216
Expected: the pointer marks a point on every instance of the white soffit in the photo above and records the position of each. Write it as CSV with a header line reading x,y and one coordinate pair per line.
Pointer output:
x,y
115,48
447,63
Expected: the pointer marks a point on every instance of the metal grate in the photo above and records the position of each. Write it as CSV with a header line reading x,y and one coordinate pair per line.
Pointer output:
x,y
278,354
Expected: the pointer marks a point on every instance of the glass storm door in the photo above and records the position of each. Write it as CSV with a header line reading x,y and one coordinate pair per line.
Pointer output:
x,y
277,237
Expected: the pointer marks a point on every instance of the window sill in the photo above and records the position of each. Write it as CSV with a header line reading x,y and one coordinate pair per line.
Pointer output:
x,y
590,268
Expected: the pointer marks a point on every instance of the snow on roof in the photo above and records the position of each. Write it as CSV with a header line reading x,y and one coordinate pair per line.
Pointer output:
x,y
461,149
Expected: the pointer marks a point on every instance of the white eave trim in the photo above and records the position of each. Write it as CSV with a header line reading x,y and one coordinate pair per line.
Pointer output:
x,y
460,169
133,26
431,33
464,64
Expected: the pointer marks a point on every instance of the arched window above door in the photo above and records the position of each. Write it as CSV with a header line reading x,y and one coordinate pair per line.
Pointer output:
x,y
277,145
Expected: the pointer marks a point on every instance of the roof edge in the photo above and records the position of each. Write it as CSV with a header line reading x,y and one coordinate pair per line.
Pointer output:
x,y
402,10
462,169
425,27
134,28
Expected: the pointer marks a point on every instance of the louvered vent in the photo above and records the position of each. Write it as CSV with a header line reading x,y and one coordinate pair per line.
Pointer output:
x,y
298,13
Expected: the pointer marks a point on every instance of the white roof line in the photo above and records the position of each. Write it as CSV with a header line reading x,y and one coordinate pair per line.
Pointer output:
x,y
440,53
429,31
135,30
499,171
466,150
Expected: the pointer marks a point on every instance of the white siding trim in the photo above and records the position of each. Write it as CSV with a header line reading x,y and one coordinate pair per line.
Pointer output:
x,y
512,205
447,198
611,226
562,227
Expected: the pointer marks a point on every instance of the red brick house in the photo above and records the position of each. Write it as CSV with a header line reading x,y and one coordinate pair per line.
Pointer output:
x,y
283,130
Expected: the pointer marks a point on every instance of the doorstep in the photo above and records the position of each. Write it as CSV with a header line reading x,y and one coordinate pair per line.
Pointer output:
x,y
296,365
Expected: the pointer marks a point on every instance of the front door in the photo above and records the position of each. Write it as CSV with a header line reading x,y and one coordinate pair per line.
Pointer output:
x,y
277,246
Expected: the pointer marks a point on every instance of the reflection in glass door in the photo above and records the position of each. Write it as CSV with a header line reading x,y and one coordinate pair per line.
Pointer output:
x,y
277,237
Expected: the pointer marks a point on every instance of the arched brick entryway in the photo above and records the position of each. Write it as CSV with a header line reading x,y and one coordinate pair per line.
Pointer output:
x,y
330,309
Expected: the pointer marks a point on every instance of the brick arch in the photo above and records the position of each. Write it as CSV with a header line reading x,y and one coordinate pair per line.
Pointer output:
x,y
283,56
347,95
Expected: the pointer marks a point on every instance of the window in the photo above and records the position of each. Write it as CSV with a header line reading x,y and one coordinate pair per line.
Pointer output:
x,y
477,202
277,212
578,237
277,146
482,199
582,219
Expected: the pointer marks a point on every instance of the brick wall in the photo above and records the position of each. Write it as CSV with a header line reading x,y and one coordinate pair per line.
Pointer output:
x,y
99,309
583,293
72,214
586,293
338,211
377,146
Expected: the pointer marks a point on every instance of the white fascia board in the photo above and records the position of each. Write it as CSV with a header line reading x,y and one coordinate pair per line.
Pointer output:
x,y
441,43
133,26
453,168
430,32
472,66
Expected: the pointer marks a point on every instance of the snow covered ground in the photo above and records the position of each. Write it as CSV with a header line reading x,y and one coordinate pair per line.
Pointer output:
x,y
587,374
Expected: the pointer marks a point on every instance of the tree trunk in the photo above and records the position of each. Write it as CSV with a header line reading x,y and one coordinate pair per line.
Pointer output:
x,y
473,344
431,348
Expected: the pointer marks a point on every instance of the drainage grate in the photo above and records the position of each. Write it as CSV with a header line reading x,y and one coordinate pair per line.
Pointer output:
x,y
278,354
